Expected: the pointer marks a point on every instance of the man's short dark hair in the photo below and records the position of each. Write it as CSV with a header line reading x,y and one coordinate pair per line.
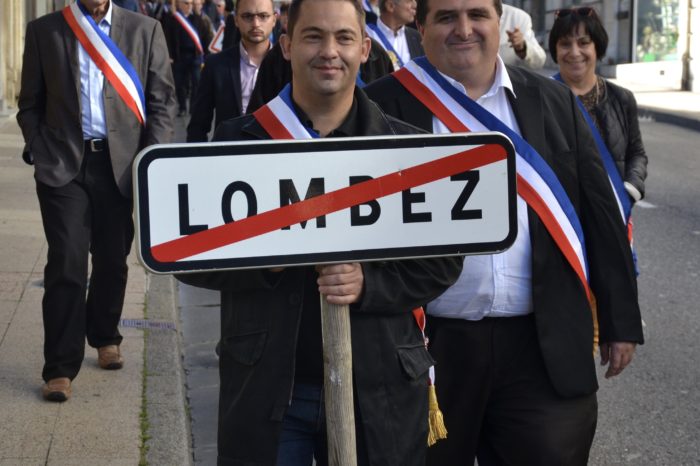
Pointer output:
x,y
566,25
422,10
295,8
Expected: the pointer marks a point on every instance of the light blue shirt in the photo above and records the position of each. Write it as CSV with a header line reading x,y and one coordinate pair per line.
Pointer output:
x,y
92,82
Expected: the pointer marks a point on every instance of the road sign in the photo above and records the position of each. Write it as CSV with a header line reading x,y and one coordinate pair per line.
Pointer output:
x,y
252,204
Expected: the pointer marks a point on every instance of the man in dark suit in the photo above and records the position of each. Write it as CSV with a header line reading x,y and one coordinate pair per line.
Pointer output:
x,y
514,337
188,37
402,43
82,134
229,77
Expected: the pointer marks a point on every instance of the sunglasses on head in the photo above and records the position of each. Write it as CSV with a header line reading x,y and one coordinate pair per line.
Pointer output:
x,y
581,11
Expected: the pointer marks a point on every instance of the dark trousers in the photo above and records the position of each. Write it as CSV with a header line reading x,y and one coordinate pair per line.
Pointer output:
x,y
186,74
498,402
87,215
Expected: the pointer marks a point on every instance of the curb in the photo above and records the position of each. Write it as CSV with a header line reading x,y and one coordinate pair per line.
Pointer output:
x,y
166,424
663,116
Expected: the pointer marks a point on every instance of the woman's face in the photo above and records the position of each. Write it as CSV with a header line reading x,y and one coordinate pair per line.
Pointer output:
x,y
576,55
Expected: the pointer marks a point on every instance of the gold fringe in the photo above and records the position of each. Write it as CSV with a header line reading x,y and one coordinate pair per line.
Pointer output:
x,y
436,424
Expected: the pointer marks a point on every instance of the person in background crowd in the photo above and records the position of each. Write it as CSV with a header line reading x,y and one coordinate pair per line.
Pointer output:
x,y
228,77
82,135
271,393
187,36
577,42
198,9
400,42
514,337
519,47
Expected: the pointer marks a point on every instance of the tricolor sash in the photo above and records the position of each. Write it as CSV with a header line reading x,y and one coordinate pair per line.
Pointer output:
x,y
538,185
624,203
366,6
376,33
190,30
108,58
280,120
217,42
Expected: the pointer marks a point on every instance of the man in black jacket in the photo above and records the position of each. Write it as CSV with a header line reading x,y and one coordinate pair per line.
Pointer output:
x,y
513,338
187,37
271,370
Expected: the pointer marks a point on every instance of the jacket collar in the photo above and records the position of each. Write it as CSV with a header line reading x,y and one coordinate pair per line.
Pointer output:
x,y
527,108
371,120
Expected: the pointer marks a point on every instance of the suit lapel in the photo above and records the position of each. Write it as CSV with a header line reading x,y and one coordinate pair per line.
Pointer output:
x,y
235,70
71,44
527,108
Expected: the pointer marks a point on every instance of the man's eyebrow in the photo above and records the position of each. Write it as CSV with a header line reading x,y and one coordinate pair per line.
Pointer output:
x,y
319,30
444,12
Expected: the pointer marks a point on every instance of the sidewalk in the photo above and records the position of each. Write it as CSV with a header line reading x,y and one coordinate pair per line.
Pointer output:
x,y
111,413
137,415
667,105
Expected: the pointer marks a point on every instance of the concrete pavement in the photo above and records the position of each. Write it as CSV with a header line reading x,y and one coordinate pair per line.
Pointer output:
x,y
147,413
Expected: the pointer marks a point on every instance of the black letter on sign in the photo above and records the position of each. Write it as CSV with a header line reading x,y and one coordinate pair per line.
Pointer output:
x,y
458,212
289,195
355,218
408,198
226,199
183,202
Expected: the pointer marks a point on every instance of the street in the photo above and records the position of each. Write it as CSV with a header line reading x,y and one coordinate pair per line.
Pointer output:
x,y
647,416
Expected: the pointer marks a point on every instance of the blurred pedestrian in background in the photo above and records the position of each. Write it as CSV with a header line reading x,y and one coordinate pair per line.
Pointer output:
x,y
519,46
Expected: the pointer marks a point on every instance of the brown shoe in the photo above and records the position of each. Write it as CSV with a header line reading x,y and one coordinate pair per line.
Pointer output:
x,y
56,389
109,357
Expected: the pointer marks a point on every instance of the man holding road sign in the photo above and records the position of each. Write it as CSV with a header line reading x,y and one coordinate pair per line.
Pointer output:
x,y
271,368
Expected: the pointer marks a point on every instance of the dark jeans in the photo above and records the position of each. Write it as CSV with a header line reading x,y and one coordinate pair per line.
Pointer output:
x,y
89,214
303,436
186,74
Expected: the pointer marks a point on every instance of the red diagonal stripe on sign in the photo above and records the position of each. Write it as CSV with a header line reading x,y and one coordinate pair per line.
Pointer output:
x,y
324,204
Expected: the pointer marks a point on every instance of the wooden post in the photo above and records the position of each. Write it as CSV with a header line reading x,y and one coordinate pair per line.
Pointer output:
x,y
337,384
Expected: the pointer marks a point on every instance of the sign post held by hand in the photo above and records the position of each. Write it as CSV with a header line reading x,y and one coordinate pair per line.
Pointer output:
x,y
337,384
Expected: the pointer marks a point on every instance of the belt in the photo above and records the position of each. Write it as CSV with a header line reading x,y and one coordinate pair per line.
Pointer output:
x,y
95,145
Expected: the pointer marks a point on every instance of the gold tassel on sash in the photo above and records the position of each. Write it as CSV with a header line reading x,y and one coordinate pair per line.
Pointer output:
x,y
436,424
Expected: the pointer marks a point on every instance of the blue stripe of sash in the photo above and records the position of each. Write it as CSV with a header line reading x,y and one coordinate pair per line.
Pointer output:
x,y
385,42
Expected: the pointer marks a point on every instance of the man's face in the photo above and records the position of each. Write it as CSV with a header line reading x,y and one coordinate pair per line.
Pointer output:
x,y
460,36
403,10
197,6
255,20
185,6
326,48
220,8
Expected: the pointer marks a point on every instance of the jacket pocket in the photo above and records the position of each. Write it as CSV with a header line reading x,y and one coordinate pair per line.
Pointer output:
x,y
247,348
415,360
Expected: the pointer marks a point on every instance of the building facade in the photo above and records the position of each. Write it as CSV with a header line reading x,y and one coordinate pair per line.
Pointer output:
x,y
14,15
652,42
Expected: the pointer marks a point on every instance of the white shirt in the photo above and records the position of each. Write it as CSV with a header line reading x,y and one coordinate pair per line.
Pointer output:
x,y
249,74
535,55
397,40
92,82
493,285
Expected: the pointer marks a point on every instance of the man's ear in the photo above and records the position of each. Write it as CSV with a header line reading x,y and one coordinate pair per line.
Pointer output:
x,y
366,47
286,44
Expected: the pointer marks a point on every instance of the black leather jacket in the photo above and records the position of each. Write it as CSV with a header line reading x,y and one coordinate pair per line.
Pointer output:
x,y
619,124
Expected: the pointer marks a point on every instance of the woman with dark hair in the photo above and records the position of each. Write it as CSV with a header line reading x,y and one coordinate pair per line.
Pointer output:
x,y
576,42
